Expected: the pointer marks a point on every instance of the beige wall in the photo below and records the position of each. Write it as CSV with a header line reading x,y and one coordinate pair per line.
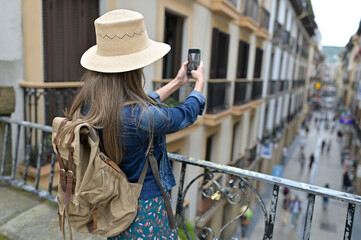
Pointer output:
x,y
33,40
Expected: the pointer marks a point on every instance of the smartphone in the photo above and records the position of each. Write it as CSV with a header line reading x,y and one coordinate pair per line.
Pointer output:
x,y
194,59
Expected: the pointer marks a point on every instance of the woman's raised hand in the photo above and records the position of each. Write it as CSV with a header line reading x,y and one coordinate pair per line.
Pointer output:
x,y
198,75
181,77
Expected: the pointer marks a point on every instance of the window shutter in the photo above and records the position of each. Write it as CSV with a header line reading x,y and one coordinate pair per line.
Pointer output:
x,y
258,63
223,55
214,59
242,59
68,32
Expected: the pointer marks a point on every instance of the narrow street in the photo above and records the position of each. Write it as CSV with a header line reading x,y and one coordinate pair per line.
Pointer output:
x,y
327,168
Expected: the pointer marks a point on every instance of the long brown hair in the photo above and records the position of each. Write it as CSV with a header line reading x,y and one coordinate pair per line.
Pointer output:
x,y
106,94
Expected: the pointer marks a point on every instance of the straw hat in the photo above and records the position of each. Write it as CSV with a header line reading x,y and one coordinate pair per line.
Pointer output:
x,y
122,44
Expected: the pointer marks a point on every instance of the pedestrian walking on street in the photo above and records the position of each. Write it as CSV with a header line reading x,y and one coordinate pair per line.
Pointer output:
x,y
295,210
346,182
325,199
286,206
312,159
302,143
329,144
323,145
302,160
285,191
245,219
333,128
284,155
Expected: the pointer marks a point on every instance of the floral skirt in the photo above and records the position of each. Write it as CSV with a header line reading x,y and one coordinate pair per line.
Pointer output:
x,y
151,222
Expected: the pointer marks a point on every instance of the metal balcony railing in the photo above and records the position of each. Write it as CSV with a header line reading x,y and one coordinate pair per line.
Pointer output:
x,y
241,89
51,98
233,3
355,85
277,32
264,18
273,87
285,37
257,86
252,154
217,94
251,9
282,85
219,183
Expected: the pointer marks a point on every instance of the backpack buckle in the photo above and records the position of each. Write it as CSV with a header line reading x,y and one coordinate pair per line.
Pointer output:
x,y
70,148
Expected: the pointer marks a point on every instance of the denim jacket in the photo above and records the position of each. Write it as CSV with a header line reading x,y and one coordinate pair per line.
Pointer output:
x,y
139,126
138,129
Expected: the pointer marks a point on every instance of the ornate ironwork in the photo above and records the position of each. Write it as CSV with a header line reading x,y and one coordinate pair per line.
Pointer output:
x,y
213,186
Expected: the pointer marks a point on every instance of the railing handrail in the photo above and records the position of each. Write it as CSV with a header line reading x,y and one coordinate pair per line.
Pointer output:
x,y
241,181
305,187
338,195
51,84
41,127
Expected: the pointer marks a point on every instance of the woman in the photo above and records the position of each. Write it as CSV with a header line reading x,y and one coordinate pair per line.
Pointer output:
x,y
131,122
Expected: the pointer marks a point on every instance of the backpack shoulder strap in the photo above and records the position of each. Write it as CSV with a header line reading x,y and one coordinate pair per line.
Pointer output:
x,y
154,165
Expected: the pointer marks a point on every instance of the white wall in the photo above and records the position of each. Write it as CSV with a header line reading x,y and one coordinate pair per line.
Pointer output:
x,y
11,50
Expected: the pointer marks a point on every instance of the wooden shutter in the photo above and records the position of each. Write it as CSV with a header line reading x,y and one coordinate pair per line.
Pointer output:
x,y
173,35
223,55
219,61
242,66
258,63
68,28
214,58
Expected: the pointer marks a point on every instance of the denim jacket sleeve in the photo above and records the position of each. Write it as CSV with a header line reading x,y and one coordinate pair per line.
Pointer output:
x,y
169,120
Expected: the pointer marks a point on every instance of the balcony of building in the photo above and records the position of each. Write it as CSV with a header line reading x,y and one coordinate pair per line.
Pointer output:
x,y
219,187
298,83
284,85
355,85
249,17
225,8
217,106
277,33
44,101
242,90
264,17
257,87
273,87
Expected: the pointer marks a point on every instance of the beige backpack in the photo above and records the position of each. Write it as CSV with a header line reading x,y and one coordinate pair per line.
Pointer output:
x,y
94,194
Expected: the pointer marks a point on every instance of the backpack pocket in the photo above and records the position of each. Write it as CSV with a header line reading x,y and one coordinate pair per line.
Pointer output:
x,y
113,197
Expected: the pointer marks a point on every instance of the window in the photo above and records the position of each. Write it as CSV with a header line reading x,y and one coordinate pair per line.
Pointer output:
x,y
265,120
220,44
173,35
236,140
209,147
258,63
251,129
243,51
68,32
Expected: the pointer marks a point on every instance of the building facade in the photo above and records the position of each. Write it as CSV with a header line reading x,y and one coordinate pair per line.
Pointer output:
x,y
260,59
